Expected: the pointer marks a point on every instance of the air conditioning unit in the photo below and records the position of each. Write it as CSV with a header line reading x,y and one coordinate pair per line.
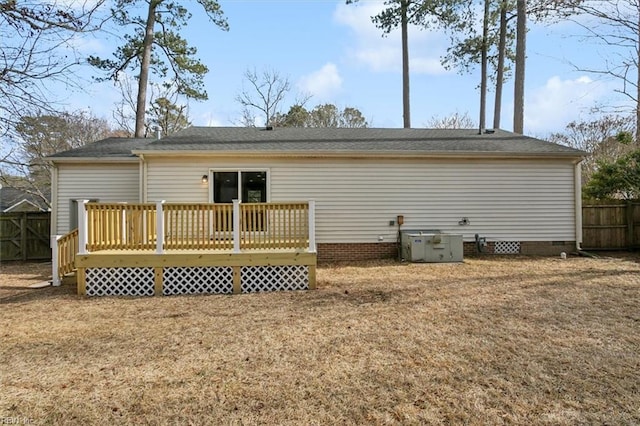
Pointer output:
x,y
431,247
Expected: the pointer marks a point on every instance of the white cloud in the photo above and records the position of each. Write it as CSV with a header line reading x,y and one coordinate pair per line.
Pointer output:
x,y
88,45
212,121
322,83
207,114
78,4
379,59
358,17
550,107
384,53
426,66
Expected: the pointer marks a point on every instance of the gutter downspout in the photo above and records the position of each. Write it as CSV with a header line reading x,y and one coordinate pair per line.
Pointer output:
x,y
578,203
53,227
54,199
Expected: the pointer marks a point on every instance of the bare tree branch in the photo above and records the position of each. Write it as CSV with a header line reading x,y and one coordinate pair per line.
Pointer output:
x,y
452,121
616,27
265,94
43,134
37,48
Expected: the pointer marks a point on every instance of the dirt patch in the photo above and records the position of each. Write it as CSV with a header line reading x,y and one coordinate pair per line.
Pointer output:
x,y
491,341
18,277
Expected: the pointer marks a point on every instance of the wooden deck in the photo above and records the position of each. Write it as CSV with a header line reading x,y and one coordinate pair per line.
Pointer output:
x,y
121,251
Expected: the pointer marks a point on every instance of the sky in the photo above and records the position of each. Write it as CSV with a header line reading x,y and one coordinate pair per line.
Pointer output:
x,y
333,52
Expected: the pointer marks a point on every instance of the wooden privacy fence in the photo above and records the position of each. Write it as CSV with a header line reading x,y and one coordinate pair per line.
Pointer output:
x,y
25,236
610,225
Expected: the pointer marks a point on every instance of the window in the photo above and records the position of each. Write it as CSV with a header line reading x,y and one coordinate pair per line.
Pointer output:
x,y
73,211
225,187
246,186
254,187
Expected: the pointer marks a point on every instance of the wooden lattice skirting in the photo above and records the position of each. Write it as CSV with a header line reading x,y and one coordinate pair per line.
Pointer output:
x,y
143,274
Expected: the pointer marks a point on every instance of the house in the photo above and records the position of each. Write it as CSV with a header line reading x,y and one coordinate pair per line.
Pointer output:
x,y
519,193
16,200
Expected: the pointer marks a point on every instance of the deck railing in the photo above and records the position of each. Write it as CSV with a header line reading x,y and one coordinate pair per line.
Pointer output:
x,y
63,250
120,226
67,247
196,226
274,225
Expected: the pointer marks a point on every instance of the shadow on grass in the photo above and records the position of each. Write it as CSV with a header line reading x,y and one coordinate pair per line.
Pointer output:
x,y
382,292
519,284
488,257
25,294
522,279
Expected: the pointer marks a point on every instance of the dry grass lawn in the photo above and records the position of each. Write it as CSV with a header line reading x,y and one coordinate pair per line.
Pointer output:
x,y
491,341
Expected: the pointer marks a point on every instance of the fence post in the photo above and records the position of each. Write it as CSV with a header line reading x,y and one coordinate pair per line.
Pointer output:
x,y
83,227
55,276
236,226
159,228
628,209
23,235
312,226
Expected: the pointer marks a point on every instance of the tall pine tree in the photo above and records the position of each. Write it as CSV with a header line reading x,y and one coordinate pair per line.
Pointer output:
x,y
156,47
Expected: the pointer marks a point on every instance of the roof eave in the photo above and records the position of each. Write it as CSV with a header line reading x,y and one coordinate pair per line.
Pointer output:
x,y
13,206
360,154
132,159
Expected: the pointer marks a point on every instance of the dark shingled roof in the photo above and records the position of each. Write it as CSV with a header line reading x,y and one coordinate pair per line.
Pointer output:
x,y
328,141
337,140
110,147
11,196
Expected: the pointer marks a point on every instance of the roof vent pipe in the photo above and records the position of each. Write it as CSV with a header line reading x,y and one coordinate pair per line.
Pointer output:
x,y
158,133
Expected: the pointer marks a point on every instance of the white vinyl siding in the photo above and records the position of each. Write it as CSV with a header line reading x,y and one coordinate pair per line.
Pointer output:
x,y
104,182
514,200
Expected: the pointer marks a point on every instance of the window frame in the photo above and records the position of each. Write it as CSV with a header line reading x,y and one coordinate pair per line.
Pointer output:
x,y
73,210
239,171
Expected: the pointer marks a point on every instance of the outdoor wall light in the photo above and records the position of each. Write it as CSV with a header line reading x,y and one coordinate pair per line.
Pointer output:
x,y
205,178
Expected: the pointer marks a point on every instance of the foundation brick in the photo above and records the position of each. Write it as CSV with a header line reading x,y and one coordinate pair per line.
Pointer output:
x,y
345,252
339,252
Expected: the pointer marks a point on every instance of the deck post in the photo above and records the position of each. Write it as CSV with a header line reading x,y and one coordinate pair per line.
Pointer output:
x,y
312,226
157,280
159,228
236,226
55,276
81,277
123,234
83,227
237,280
312,277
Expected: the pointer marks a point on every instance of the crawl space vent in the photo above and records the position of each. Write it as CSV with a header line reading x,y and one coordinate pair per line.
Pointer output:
x,y
507,247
